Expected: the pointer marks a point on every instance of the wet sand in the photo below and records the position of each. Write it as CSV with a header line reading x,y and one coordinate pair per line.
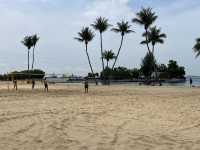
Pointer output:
x,y
108,118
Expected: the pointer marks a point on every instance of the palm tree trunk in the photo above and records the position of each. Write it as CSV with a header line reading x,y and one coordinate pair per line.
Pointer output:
x,y
33,62
101,38
86,49
28,59
155,69
153,48
122,39
147,42
107,63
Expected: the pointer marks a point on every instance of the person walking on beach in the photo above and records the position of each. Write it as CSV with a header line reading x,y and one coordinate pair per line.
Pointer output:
x,y
191,82
15,84
46,87
86,85
33,84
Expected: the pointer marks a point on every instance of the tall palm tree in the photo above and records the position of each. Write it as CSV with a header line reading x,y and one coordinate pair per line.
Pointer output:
x,y
35,39
27,41
86,35
123,28
146,17
196,47
154,37
101,24
108,55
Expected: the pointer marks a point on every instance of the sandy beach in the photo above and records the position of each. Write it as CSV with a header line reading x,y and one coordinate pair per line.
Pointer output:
x,y
108,118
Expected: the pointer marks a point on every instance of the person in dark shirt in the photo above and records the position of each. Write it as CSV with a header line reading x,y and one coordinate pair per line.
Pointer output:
x,y
15,84
46,87
86,85
33,84
191,82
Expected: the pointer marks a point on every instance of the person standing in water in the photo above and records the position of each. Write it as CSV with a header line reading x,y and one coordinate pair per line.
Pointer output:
x,y
86,85
191,82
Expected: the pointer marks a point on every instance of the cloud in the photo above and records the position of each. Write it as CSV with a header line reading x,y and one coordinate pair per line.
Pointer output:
x,y
57,23
113,9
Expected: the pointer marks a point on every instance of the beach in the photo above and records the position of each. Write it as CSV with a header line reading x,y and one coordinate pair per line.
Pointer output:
x,y
119,117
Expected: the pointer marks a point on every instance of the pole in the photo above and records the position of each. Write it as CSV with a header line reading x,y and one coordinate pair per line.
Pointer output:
x,y
8,82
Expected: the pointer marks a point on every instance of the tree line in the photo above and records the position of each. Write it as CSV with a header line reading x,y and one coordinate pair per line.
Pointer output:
x,y
22,75
169,71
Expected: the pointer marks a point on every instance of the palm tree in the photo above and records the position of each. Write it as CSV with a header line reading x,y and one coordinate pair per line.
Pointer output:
x,y
123,28
196,47
86,35
101,24
27,41
108,55
154,37
146,17
35,39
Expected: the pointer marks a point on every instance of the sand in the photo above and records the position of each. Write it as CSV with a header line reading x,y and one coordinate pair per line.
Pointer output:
x,y
108,118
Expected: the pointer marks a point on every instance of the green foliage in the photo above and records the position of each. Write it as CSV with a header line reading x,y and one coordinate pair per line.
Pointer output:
x,y
27,41
147,66
146,17
91,75
135,73
174,70
85,35
196,47
154,36
25,74
108,55
101,24
34,39
162,68
123,28
120,73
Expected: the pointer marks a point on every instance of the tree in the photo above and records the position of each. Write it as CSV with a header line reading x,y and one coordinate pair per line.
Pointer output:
x,y
162,68
135,73
174,70
108,55
101,24
27,41
154,37
123,28
196,47
35,39
147,66
146,17
86,35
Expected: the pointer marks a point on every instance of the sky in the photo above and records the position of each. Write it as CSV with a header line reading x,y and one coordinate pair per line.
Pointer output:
x,y
57,22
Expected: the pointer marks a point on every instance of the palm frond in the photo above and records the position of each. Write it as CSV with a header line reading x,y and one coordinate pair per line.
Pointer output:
x,y
115,30
145,17
85,35
101,24
123,27
27,41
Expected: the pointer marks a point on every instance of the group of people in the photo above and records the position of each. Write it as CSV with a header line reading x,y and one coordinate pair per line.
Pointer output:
x,y
46,87
86,85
